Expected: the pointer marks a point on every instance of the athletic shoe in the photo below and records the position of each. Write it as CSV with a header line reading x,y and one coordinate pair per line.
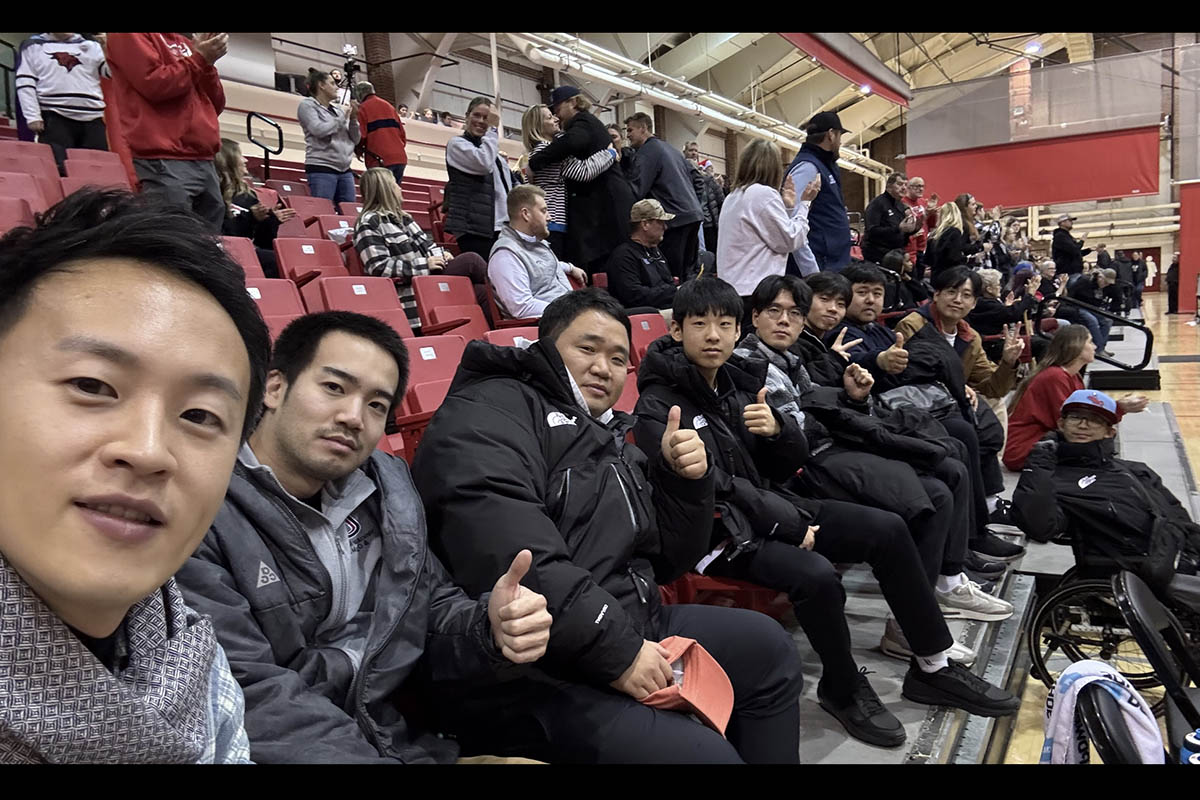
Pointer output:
x,y
991,547
986,585
895,645
993,569
957,687
969,601
865,717
1001,515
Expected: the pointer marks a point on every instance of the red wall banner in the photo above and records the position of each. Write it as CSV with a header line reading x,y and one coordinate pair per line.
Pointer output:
x,y
1069,169
1189,245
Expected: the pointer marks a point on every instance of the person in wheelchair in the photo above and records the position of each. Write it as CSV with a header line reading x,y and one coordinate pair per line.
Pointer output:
x,y
1115,513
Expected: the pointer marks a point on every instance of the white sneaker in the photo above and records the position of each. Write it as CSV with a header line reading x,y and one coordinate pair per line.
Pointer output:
x,y
969,601
895,645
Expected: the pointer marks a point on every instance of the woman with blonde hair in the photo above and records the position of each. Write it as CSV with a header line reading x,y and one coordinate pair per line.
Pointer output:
x,y
244,215
391,244
538,129
948,241
757,228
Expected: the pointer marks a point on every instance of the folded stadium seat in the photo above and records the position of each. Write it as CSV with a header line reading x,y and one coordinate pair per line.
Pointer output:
x,y
374,297
268,197
468,321
23,186
46,174
600,280
323,224
428,396
82,154
18,147
288,187
294,228
14,212
99,173
629,395
350,209
392,444
241,250
307,208
278,301
431,359
498,320
433,291
305,260
646,328
508,336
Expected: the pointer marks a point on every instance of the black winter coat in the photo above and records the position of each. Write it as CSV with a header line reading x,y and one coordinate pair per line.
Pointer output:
x,y
883,217
824,366
1067,252
598,210
304,701
510,462
747,469
950,250
1114,510
639,276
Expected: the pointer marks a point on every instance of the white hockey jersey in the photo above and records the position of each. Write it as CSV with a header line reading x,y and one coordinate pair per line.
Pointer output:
x,y
63,77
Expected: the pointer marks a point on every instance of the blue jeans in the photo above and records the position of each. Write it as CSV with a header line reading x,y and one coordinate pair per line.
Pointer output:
x,y
335,188
1097,325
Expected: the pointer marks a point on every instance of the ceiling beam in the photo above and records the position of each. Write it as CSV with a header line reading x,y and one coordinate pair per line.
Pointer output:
x,y
1080,47
702,52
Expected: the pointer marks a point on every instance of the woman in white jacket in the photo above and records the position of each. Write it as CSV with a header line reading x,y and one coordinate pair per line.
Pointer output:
x,y
757,229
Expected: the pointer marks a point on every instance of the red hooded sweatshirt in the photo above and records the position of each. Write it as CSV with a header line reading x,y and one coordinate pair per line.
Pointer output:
x,y
168,94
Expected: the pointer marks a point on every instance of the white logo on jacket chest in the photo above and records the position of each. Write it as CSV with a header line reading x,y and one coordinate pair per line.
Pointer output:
x,y
699,422
556,418
266,575
1086,481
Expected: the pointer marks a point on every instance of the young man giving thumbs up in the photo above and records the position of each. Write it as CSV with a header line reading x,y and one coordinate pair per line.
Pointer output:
x,y
527,453
770,536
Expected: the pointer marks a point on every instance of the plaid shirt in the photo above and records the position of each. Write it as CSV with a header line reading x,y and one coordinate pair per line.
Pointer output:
x,y
395,249
227,743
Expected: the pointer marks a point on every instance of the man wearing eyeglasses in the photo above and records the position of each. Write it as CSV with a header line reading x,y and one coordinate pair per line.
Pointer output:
x,y
1074,486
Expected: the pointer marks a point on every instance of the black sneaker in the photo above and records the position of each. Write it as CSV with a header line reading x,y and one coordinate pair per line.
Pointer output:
x,y
865,717
991,547
958,687
981,566
1001,516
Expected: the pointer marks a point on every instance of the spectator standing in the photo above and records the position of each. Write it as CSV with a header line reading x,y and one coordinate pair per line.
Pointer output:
x,y
383,139
480,180
1067,251
1016,243
169,95
708,192
638,273
1172,281
330,135
660,172
925,211
391,244
1125,270
246,215
949,242
1140,271
889,220
760,228
58,86
827,246
1103,259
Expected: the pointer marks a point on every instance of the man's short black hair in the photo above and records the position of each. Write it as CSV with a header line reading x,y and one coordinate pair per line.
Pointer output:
x,y
956,277
704,296
770,287
297,345
93,224
563,310
864,273
893,260
830,283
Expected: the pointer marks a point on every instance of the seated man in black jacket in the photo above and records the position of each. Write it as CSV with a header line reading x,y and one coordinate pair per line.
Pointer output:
x,y
317,573
1116,512
909,291
770,536
527,452
880,349
638,273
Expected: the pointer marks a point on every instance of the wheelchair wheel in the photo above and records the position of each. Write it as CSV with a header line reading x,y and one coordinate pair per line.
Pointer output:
x,y
1080,621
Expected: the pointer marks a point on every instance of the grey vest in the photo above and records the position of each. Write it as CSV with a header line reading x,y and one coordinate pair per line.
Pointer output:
x,y
546,278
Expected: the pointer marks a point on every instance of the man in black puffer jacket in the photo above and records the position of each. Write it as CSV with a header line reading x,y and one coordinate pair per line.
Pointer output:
x,y
770,536
526,452
317,574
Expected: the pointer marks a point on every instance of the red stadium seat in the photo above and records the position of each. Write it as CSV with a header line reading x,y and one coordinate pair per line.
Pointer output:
x,y
14,213
46,174
600,280
275,297
268,197
428,396
695,588
241,250
82,154
72,185
431,359
392,444
469,320
327,222
23,186
308,207
629,395
294,228
350,209
38,149
434,291
99,173
374,297
508,336
498,320
276,324
287,188
354,264
297,257
646,328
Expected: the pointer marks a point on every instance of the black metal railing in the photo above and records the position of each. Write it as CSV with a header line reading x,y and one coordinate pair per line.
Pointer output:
x,y
1147,352
267,151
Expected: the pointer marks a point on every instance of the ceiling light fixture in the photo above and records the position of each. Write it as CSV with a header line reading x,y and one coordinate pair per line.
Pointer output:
x,y
1033,47
865,88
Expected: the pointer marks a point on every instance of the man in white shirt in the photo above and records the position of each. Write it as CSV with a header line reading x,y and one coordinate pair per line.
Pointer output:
x,y
58,85
479,180
525,273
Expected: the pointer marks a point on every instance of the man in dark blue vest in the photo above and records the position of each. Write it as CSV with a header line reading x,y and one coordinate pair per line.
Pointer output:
x,y
828,245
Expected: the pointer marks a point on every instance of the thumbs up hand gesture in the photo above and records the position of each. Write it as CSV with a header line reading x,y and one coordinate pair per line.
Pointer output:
x,y
894,360
683,449
520,621
760,419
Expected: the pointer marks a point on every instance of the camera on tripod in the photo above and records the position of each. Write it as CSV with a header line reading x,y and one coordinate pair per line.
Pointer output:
x,y
350,67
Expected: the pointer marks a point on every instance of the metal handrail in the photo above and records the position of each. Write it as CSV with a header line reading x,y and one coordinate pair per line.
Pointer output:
x,y
1147,353
267,151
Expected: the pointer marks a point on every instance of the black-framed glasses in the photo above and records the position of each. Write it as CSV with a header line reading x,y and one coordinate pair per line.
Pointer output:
x,y
775,312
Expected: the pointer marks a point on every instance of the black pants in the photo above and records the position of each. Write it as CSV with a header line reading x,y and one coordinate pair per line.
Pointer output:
x,y
561,722
850,533
680,246
61,133
398,171
964,432
474,243
558,244
1172,298
710,238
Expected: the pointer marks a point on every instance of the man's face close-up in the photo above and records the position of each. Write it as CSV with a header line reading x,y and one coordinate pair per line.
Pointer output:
x,y
708,340
121,417
779,325
1080,427
866,303
595,350
826,311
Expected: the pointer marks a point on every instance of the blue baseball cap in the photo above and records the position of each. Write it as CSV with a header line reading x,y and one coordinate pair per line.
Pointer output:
x,y
560,94
1090,400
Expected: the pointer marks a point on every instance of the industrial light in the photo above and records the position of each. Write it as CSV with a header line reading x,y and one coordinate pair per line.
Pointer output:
x,y
1033,47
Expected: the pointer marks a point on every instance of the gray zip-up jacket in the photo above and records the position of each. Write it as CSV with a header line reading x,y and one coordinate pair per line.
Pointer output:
x,y
260,578
329,135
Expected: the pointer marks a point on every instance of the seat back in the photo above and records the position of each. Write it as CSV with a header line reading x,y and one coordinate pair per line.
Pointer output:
x,y
38,149
299,256
508,336
350,209
99,173
241,250
45,175
288,188
629,395
646,328
359,294
327,222
433,358
24,186
499,321
14,212
1162,640
268,197
427,396
275,297
433,291
474,327
354,263
71,185
103,156
308,207
600,280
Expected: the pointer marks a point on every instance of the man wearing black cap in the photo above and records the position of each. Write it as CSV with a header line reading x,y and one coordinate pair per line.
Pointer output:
x,y
828,245
1067,251
661,173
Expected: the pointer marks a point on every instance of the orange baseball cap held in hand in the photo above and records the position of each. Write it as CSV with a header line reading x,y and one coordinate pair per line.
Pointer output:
x,y
705,689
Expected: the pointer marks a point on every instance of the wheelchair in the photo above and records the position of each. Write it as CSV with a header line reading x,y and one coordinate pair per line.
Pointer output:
x,y
1079,620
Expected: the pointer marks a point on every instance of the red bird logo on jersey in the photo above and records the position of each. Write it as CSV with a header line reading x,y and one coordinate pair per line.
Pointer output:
x,y
67,61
